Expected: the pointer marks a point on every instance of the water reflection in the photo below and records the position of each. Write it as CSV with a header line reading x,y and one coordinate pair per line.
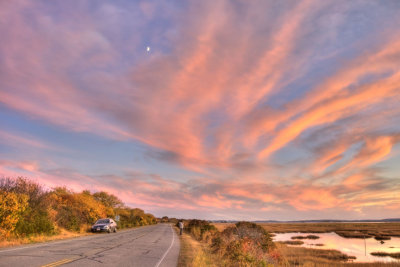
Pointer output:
x,y
350,246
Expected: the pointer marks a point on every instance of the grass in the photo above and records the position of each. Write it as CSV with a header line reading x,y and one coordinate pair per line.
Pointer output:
x,y
307,257
305,237
384,254
222,226
354,234
301,256
194,253
294,242
244,245
382,237
39,238
347,230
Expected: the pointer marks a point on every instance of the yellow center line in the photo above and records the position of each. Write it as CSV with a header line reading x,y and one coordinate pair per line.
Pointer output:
x,y
58,263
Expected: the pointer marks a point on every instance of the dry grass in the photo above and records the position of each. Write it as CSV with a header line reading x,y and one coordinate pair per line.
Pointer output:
x,y
300,255
194,254
305,237
64,234
292,242
383,254
355,230
304,257
222,226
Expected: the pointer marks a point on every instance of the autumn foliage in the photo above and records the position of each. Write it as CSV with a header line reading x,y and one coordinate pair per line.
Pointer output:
x,y
247,244
12,205
27,209
243,244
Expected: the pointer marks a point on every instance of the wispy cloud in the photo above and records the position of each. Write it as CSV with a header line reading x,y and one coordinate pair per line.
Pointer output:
x,y
274,104
13,139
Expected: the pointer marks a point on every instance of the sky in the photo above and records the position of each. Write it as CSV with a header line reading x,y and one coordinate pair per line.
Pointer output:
x,y
212,109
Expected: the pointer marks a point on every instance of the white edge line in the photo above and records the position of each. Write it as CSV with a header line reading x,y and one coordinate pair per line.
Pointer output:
x,y
170,246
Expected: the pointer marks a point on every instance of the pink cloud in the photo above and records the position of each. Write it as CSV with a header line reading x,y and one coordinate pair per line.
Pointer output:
x,y
209,99
13,139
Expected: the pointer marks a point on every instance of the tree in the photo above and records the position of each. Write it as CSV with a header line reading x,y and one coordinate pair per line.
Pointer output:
x,y
12,205
34,218
109,200
76,210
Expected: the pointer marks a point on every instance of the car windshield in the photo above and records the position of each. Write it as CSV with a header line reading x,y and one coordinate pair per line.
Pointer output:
x,y
103,221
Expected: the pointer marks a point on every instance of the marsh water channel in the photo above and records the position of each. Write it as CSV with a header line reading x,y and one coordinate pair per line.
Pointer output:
x,y
351,246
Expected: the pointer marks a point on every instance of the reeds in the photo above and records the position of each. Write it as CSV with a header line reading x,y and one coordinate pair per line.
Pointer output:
x,y
290,242
301,256
305,237
347,230
384,254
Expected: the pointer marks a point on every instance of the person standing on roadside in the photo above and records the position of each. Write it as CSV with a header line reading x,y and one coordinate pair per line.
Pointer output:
x,y
180,224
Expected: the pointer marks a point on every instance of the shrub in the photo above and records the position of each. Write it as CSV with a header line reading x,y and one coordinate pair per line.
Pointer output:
x,y
74,210
35,221
12,205
26,209
201,230
134,217
245,244
34,217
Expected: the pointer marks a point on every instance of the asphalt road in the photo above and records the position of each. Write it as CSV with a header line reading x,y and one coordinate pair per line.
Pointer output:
x,y
153,246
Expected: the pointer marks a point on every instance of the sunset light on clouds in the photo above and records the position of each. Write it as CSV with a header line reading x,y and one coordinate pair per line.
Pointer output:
x,y
281,110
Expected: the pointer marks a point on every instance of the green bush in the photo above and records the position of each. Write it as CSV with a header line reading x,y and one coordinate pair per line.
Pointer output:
x,y
35,222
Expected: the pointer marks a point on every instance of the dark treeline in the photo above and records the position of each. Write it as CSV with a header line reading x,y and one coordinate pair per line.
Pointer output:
x,y
27,209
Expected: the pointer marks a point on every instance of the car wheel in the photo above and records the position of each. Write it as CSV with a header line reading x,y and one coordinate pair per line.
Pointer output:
x,y
109,230
115,229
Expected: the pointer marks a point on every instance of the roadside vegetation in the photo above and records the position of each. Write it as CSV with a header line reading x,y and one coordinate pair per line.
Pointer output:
x,y
195,253
249,244
29,213
243,244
